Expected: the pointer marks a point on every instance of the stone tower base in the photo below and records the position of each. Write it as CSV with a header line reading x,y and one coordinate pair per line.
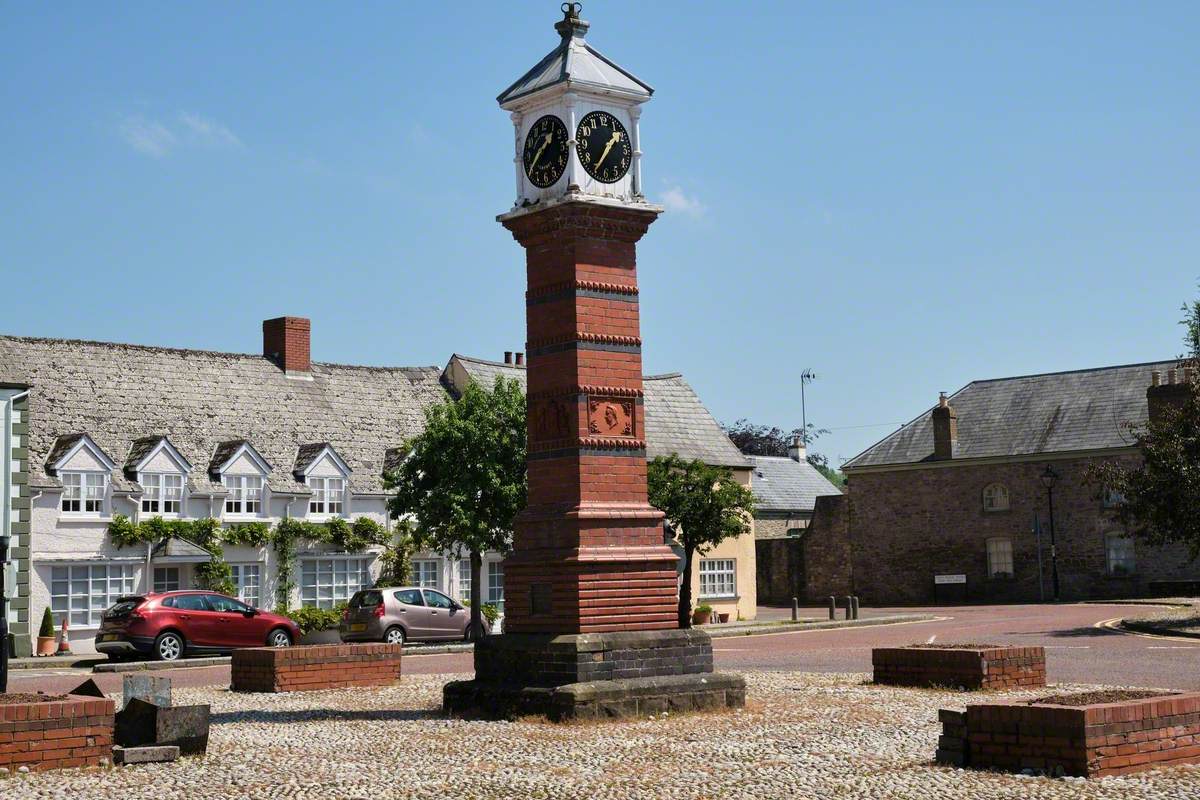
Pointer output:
x,y
593,676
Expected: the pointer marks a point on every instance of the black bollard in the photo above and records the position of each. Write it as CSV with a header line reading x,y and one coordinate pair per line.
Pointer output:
x,y
795,610
854,606
832,608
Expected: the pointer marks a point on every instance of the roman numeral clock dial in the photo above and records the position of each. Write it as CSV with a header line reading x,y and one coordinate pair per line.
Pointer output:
x,y
603,147
545,153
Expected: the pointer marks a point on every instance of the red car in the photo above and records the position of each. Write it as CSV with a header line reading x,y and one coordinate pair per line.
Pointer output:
x,y
169,625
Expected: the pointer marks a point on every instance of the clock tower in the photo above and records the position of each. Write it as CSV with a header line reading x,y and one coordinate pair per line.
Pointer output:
x,y
591,587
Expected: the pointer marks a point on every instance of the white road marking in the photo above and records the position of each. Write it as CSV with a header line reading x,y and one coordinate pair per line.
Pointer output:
x,y
1114,625
1067,647
1170,647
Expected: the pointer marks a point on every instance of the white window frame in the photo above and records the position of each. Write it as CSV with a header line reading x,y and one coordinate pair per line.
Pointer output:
x,y
1000,555
464,580
245,497
495,583
996,497
158,496
85,491
718,578
422,565
241,573
1125,564
91,588
328,497
335,579
164,584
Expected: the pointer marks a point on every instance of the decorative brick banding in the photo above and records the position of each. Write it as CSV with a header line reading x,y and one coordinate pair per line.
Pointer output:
x,y
966,667
1081,740
315,667
75,732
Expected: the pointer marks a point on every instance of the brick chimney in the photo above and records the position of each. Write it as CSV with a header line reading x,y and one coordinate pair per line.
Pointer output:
x,y
945,430
1172,393
520,359
286,342
797,451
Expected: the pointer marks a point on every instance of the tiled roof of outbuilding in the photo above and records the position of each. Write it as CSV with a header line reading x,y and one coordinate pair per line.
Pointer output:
x,y
119,394
1054,412
676,420
784,484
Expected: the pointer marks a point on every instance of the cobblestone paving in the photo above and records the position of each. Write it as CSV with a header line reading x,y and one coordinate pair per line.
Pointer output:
x,y
803,736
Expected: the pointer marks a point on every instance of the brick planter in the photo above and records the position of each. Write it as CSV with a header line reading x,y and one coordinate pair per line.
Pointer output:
x,y
316,667
1082,740
76,732
962,667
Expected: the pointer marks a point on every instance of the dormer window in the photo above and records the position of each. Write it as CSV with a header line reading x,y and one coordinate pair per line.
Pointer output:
x,y
327,495
995,497
245,494
161,493
83,492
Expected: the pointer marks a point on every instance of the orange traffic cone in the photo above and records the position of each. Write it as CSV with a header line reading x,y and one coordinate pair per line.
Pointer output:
x,y
64,643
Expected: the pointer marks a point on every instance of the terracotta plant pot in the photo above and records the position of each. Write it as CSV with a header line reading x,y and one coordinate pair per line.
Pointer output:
x,y
701,617
47,645
722,617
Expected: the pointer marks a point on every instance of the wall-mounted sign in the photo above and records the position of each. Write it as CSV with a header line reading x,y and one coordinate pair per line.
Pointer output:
x,y
942,580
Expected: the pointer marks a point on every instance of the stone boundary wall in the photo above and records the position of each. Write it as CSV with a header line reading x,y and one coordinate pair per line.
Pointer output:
x,y
1085,741
59,733
967,668
315,667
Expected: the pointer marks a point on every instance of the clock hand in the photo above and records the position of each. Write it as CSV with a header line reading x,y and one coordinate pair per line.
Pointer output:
x,y
541,150
616,137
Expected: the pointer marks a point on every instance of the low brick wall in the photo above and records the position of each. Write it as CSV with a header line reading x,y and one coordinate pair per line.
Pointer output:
x,y
1087,741
75,732
966,668
315,667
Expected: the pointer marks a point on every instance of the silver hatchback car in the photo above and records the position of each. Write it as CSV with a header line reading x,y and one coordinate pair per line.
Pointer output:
x,y
404,614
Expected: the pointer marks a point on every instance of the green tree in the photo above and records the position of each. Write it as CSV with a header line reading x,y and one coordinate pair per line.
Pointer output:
x,y
1159,496
463,481
706,506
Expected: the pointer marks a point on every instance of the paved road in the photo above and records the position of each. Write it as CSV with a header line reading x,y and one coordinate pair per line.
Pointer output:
x,y
1077,650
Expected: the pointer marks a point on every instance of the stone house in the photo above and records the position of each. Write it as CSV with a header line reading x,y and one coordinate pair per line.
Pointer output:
x,y
786,489
676,422
954,506
115,429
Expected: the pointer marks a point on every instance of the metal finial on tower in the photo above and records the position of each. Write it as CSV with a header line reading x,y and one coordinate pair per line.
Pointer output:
x,y
571,24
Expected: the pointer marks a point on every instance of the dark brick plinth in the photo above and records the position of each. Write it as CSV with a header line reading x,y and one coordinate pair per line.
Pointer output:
x,y
1081,740
592,700
314,667
547,660
960,667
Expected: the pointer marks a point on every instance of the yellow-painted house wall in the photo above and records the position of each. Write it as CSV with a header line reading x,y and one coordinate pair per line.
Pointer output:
x,y
741,549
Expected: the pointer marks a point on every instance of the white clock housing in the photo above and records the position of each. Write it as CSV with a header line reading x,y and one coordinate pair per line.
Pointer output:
x,y
571,81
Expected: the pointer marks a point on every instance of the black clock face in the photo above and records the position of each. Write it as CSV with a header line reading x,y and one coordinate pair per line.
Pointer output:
x,y
603,147
546,151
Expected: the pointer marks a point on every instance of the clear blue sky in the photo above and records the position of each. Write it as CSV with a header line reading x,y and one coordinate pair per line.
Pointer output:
x,y
901,196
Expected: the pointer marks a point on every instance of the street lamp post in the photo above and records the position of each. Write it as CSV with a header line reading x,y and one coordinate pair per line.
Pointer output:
x,y
1049,478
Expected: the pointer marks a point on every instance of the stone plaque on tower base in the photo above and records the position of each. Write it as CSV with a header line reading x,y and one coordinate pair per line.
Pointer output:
x,y
593,676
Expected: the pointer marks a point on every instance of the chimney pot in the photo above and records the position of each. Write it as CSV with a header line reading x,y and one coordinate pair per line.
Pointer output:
x,y
287,342
508,356
1155,378
1171,375
797,451
520,359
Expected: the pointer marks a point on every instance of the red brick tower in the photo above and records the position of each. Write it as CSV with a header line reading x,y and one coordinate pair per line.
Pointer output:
x,y
588,551
590,587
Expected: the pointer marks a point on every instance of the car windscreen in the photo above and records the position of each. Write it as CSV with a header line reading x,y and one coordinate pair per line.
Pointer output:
x,y
123,606
366,599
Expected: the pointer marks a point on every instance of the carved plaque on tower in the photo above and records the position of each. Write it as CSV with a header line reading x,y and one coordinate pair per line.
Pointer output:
x,y
611,417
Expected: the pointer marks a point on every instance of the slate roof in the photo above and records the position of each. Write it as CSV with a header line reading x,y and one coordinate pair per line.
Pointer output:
x,y
576,62
308,453
120,394
1053,412
676,420
782,484
138,451
180,550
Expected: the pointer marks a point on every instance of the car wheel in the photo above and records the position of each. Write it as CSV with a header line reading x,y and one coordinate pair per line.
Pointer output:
x,y
469,633
169,646
394,635
279,638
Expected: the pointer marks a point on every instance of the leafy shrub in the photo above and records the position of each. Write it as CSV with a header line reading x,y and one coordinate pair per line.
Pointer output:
x,y
312,620
490,611
704,608
47,628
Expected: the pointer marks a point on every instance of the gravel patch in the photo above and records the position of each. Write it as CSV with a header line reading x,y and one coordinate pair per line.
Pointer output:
x,y
802,736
